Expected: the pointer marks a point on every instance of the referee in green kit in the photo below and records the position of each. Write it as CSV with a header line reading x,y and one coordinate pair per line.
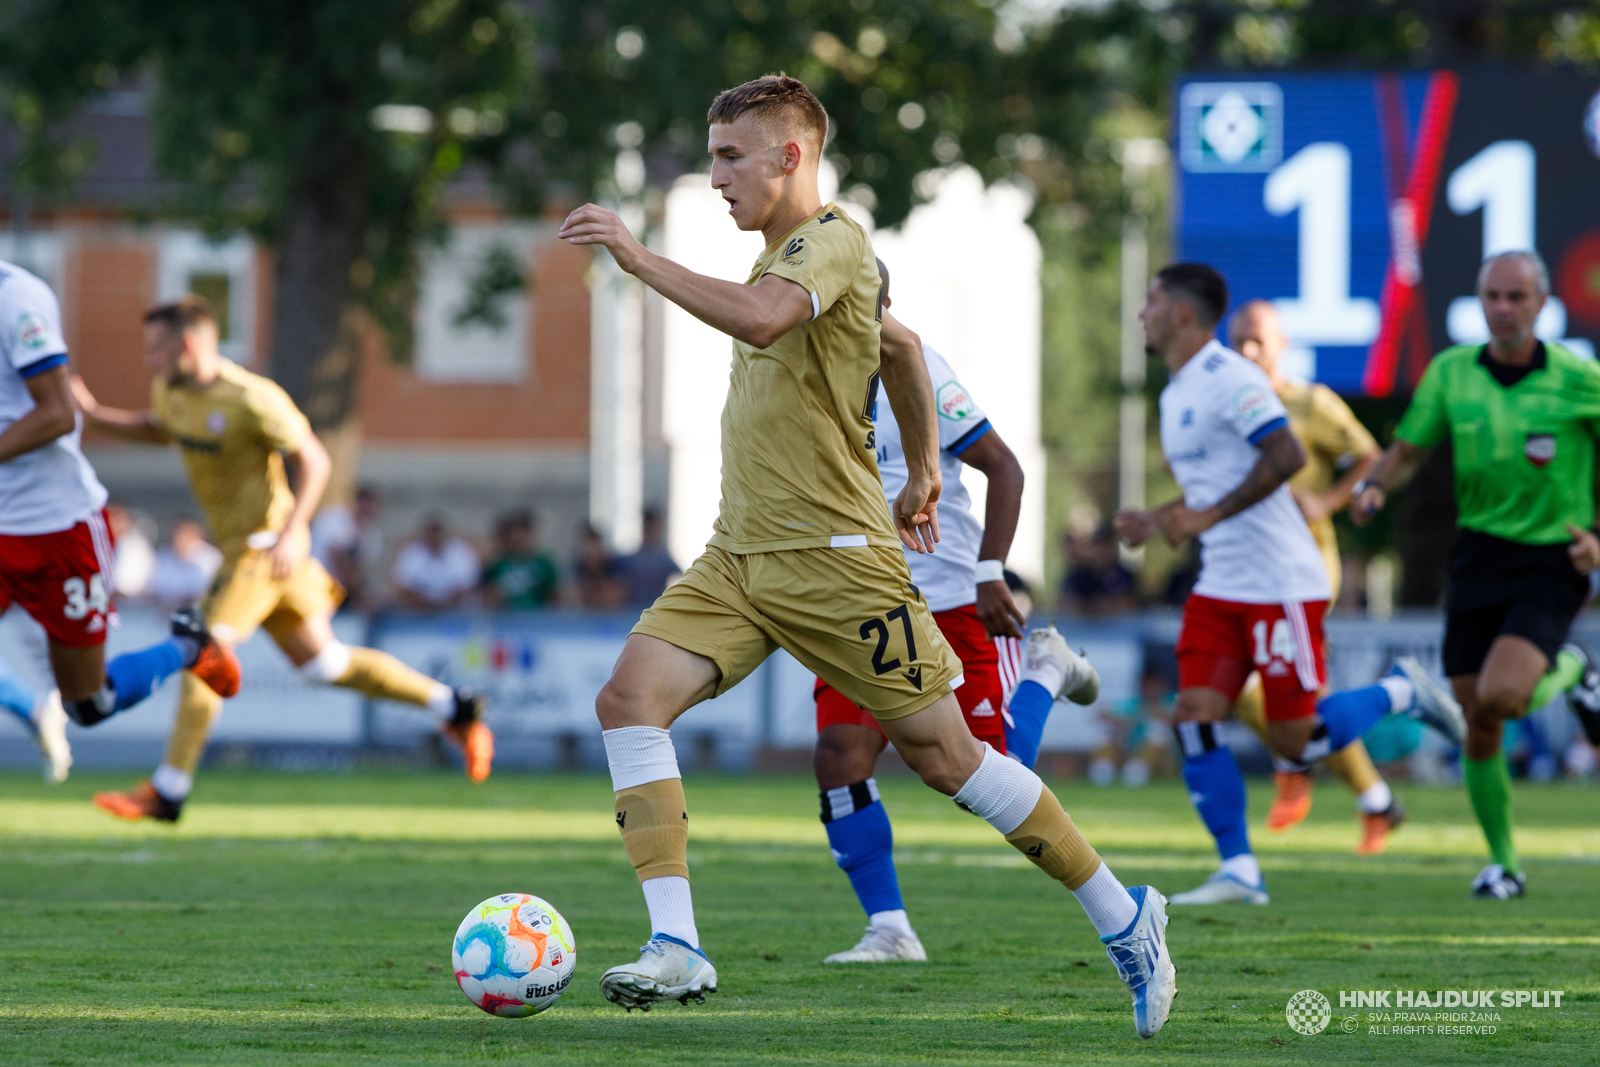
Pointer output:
x,y
1523,417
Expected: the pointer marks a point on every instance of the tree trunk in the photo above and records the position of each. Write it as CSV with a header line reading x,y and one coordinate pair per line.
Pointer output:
x,y
316,350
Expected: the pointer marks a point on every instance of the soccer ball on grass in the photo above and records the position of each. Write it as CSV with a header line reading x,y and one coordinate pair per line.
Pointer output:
x,y
513,955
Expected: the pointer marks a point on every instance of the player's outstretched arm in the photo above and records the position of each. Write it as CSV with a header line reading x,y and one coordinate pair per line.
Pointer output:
x,y
1397,466
315,467
756,314
52,416
1279,456
904,374
996,608
130,425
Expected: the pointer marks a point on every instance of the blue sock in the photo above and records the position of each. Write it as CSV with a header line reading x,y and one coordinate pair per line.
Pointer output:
x,y
1215,787
863,844
135,675
1030,707
16,697
1353,712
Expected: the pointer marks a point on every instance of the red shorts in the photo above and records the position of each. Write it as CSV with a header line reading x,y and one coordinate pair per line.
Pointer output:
x,y
980,694
62,579
1222,641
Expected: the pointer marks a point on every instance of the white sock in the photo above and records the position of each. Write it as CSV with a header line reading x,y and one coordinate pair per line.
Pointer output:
x,y
172,783
1049,674
1375,798
1402,694
442,701
896,918
639,754
1001,791
1106,902
1243,867
671,907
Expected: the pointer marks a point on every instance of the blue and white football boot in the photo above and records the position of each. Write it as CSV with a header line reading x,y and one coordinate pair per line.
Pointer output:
x,y
1224,888
1141,958
1433,706
668,969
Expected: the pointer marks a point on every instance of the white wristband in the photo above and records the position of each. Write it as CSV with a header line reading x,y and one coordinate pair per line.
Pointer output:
x,y
990,570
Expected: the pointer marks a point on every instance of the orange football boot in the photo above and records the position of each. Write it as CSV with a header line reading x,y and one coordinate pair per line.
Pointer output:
x,y
1293,801
467,731
216,665
1376,828
141,802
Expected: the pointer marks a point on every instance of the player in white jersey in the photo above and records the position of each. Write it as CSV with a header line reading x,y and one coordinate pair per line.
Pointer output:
x,y
1263,588
965,589
55,546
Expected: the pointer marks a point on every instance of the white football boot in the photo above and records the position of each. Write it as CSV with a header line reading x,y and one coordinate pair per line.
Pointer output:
x,y
48,726
1141,958
1223,888
668,969
1433,706
1493,881
1080,682
883,944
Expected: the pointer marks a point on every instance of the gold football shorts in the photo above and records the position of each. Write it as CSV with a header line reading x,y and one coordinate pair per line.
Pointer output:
x,y
851,615
245,595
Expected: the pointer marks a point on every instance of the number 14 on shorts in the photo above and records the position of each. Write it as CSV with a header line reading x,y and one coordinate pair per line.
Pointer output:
x,y
1279,646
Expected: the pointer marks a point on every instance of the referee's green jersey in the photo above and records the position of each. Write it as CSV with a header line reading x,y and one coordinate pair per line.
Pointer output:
x,y
1524,452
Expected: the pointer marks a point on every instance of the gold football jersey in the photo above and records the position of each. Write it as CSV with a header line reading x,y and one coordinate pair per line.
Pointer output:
x,y
799,464
1333,438
231,433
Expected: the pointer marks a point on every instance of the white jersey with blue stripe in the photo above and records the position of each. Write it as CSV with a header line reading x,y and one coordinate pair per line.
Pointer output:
x,y
1214,411
946,577
53,487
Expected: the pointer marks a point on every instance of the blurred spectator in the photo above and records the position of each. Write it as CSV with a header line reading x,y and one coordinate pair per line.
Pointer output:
x,y
436,571
135,558
184,567
519,577
597,579
1183,577
648,572
1140,742
349,543
1096,582
1021,595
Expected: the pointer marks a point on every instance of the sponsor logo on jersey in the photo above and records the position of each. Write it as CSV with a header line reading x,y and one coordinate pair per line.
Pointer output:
x,y
795,247
194,444
829,217
216,422
1187,418
33,333
1250,402
1213,361
1540,448
953,402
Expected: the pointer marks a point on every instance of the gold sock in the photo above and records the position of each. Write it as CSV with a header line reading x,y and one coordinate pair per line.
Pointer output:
x,y
1048,838
654,820
380,675
1251,709
198,708
1354,767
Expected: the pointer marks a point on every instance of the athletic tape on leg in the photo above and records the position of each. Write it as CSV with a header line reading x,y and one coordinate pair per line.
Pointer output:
x,y
639,754
654,820
1001,791
327,666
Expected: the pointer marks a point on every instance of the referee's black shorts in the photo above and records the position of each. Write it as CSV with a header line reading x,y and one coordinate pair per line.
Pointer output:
x,y
1507,587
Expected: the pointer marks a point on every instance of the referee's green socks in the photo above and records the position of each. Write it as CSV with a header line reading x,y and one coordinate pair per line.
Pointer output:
x,y
1489,788
1563,675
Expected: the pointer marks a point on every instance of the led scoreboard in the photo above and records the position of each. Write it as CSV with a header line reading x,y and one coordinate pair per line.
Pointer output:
x,y
1362,204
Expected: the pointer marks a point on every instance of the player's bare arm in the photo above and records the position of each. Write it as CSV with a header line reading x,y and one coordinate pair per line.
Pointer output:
x,y
756,314
1280,456
996,609
1318,506
119,422
311,461
904,374
1397,466
53,415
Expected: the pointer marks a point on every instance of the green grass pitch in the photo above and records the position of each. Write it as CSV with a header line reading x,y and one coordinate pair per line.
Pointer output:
x,y
305,919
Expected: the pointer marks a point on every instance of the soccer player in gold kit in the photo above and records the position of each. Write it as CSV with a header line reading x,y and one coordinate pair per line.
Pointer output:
x,y
235,428
1339,453
806,555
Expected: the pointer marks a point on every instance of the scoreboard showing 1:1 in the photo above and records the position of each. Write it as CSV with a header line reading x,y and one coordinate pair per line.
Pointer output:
x,y
1361,205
